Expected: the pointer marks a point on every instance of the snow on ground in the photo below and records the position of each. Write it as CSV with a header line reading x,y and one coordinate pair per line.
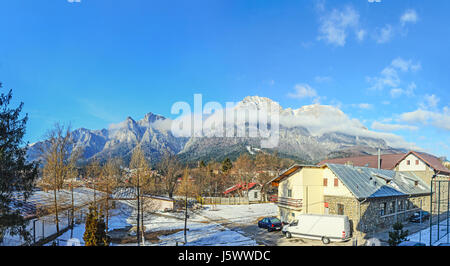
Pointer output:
x,y
424,235
205,228
241,214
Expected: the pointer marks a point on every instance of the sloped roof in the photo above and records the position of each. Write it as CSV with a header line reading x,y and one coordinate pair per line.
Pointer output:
x,y
365,182
388,161
429,159
240,186
288,172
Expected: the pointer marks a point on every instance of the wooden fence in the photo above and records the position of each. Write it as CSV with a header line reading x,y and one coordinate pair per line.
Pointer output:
x,y
227,201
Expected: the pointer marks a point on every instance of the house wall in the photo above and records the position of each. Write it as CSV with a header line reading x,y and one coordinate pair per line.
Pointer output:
x,y
252,192
307,185
403,165
331,190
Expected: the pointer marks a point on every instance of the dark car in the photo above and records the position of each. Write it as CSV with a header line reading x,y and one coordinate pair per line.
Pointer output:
x,y
271,223
411,244
415,218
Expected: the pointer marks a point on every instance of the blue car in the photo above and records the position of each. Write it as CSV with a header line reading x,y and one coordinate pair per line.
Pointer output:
x,y
415,218
271,223
411,244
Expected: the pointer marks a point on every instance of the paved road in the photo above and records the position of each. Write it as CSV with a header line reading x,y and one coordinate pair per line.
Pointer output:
x,y
276,238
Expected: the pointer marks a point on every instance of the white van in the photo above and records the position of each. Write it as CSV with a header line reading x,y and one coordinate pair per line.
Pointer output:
x,y
324,227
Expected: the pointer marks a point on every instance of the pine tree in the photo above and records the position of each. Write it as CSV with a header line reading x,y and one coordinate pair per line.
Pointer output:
x,y
397,235
91,227
95,229
16,175
226,165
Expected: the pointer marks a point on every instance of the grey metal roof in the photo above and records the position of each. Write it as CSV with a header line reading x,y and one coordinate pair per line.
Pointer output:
x,y
366,182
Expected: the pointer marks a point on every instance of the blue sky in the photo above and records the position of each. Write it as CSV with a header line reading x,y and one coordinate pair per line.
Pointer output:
x,y
94,63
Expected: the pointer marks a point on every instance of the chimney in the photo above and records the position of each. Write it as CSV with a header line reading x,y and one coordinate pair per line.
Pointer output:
x,y
379,158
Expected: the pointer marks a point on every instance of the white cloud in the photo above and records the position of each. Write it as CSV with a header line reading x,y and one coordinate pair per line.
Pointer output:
x,y
336,25
429,101
425,117
389,77
303,91
410,16
322,79
365,106
404,65
391,127
360,35
397,92
384,34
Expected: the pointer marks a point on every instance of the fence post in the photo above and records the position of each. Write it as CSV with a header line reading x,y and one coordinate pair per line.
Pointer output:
x,y
439,208
431,212
43,234
34,231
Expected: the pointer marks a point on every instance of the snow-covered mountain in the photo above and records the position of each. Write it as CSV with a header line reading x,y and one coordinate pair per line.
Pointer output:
x,y
309,133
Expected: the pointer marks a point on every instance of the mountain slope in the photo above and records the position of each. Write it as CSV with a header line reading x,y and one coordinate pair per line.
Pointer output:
x,y
309,134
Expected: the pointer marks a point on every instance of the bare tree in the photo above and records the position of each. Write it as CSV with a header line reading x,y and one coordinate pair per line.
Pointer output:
x,y
170,170
93,172
110,178
58,161
244,171
140,174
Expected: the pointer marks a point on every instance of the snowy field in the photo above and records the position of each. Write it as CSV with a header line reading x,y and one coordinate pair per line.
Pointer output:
x,y
424,235
45,226
205,227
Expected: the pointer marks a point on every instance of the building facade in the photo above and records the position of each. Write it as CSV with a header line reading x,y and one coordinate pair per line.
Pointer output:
x,y
373,199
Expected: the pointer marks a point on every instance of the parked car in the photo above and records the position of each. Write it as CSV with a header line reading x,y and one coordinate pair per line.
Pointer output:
x,y
415,218
271,223
323,227
410,244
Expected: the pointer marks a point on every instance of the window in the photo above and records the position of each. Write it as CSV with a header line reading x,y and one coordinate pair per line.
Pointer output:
x,y
383,209
392,209
417,162
256,194
293,214
400,205
289,193
340,209
336,182
408,162
325,182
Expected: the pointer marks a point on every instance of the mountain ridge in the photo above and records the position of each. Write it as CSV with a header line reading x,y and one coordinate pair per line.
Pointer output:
x,y
309,133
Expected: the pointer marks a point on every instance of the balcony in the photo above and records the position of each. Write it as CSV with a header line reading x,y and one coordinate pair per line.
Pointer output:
x,y
287,202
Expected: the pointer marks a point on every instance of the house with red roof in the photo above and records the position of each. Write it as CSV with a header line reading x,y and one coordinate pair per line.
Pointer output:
x,y
251,190
422,164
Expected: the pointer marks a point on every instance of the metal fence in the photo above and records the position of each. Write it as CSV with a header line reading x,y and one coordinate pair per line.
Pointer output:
x,y
439,211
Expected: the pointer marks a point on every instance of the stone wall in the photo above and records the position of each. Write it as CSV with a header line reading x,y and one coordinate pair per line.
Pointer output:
x,y
367,217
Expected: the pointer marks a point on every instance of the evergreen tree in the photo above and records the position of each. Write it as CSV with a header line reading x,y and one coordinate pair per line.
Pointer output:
x,y
16,175
397,235
95,229
226,165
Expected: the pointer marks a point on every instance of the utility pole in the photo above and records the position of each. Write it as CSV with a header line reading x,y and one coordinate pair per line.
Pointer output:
x,y
138,211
